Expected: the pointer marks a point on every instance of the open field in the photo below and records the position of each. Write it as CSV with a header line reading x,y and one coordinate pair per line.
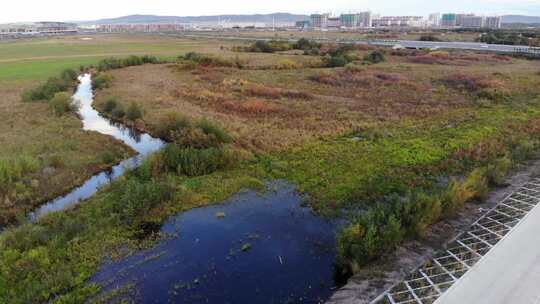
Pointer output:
x,y
394,146
37,59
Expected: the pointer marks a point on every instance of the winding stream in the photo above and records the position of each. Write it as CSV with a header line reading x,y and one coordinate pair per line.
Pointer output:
x,y
251,249
142,143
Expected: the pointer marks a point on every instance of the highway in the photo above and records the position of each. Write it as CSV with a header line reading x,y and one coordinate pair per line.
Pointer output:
x,y
509,273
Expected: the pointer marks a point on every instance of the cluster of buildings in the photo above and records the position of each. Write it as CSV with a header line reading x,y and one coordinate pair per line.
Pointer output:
x,y
140,28
37,28
326,21
469,21
369,20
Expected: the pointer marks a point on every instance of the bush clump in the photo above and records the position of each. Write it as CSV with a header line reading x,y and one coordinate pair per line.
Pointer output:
x,y
101,81
134,112
271,46
110,104
193,59
196,162
339,57
171,124
375,57
381,228
61,104
13,169
117,63
137,197
429,37
52,86
310,47
118,112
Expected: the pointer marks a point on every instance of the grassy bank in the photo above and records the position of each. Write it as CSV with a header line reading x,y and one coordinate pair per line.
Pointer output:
x,y
44,155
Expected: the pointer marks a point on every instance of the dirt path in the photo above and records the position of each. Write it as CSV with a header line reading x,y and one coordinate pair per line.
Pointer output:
x,y
379,277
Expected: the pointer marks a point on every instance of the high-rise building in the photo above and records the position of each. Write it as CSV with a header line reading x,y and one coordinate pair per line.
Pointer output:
x,y
334,22
435,19
449,20
399,21
350,20
461,17
493,22
319,20
472,21
365,19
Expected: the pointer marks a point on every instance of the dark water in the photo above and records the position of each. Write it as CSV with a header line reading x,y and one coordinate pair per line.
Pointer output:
x,y
267,249
142,143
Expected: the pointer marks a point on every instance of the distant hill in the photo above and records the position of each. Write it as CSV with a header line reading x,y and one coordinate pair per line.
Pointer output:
x,y
521,19
258,18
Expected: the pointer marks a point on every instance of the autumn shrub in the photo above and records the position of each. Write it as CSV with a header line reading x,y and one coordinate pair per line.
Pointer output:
x,y
325,78
211,128
367,237
427,59
306,45
117,63
47,91
137,197
429,37
107,157
474,187
61,104
418,211
388,77
101,81
524,149
69,75
295,94
118,112
14,169
466,82
196,162
251,106
493,94
110,104
257,90
197,59
286,64
271,46
498,169
170,124
134,112
375,57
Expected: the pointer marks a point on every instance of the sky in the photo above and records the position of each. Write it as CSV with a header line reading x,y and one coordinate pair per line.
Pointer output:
x,y
71,10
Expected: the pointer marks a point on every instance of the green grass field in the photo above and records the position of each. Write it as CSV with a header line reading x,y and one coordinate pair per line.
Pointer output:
x,y
41,58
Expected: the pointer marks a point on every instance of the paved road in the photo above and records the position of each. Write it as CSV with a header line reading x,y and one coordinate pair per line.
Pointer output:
x,y
456,45
508,274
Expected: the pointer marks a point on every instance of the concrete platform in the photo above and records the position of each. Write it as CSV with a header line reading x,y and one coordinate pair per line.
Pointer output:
x,y
508,274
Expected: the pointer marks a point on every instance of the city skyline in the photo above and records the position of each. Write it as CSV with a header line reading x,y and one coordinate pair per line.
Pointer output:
x,y
64,10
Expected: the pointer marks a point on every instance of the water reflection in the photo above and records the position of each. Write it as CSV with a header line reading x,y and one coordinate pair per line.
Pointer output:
x,y
142,143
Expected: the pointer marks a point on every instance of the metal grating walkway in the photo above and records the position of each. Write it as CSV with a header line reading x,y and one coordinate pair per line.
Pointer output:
x,y
429,282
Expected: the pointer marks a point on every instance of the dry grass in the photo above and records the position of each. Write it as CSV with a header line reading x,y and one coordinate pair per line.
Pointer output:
x,y
271,110
65,154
